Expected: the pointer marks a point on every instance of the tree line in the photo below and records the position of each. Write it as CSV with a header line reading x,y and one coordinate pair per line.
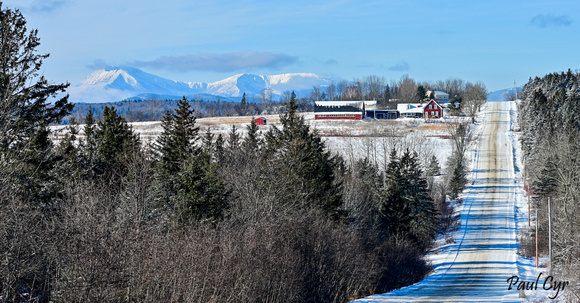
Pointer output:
x,y
406,90
549,119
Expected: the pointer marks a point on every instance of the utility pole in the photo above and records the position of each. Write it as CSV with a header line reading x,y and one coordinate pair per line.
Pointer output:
x,y
529,211
537,222
550,233
528,193
515,90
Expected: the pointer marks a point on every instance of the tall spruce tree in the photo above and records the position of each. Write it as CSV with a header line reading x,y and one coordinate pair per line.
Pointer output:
x,y
115,141
26,109
184,131
304,164
407,211
187,183
252,141
394,213
243,105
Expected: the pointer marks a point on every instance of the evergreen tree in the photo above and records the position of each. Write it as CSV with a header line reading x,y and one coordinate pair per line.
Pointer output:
x,y
434,168
201,194
304,164
219,148
457,180
25,109
184,131
421,92
394,213
68,149
252,141
187,183
416,194
208,142
243,105
234,139
407,211
115,140
546,184
90,142
178,139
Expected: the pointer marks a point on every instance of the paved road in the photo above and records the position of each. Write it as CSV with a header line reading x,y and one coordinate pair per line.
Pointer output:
x,y
480,263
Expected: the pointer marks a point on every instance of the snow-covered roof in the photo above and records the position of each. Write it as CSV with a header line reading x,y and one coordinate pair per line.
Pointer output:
x,y
346,103
434,101
410,107
441,93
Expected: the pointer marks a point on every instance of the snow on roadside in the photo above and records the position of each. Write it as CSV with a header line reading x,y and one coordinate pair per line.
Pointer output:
x,y
527,270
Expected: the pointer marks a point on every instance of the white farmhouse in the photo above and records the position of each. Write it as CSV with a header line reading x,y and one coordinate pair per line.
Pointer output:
x,y
439,96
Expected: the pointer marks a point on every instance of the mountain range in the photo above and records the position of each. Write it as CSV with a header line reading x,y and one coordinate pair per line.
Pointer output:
x,y
112,84
128,83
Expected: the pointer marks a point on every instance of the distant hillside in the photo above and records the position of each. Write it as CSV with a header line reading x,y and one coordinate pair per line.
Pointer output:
x,y
500,95
127,83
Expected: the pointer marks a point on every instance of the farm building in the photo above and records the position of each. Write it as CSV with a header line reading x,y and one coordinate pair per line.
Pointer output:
x,y
410,110
380,114
260,121
431,109
342,110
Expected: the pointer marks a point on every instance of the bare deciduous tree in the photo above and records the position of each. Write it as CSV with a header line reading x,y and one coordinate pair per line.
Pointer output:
x,y
407,90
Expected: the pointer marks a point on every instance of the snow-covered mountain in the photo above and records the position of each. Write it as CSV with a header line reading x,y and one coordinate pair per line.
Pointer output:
x,y
121,83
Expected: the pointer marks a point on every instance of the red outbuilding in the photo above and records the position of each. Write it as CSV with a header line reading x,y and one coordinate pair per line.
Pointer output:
x,y
260,121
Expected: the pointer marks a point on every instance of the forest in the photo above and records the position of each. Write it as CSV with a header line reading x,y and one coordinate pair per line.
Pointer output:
x,y
272,216
550,125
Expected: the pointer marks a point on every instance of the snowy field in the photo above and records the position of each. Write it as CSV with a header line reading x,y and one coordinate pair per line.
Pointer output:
x,y
352,139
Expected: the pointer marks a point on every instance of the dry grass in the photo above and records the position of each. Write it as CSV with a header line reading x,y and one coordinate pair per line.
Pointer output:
x,y
433,127
235,120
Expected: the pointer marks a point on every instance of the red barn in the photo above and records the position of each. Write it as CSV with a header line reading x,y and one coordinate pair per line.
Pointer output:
x,y
432,110
341,110
260,121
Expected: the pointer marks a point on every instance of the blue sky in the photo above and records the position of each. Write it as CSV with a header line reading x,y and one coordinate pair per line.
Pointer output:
x,y
492,41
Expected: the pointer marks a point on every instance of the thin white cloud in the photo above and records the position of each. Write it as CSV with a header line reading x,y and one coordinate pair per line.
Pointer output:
x,y
223,62
402,66
35,6
97,64
548,20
